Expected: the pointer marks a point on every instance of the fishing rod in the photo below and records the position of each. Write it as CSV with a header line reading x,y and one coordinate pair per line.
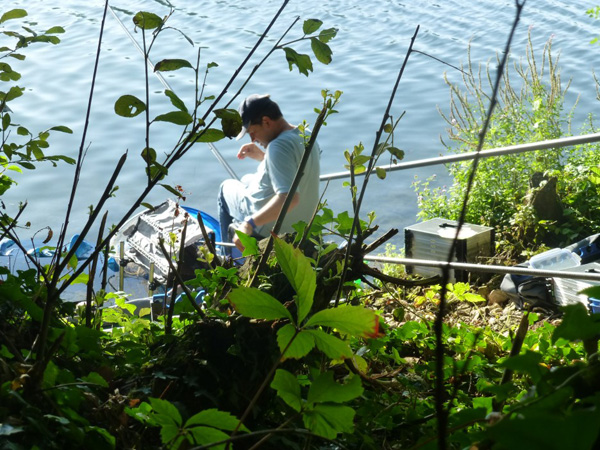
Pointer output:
x,y
166,85
541,145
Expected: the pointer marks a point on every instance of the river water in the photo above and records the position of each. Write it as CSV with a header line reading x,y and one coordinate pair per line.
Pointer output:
x,y
368,51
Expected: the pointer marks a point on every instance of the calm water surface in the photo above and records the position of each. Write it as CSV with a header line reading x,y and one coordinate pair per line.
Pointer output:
x,y
371,44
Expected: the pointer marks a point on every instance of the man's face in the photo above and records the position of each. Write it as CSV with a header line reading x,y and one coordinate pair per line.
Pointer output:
x,y
260,133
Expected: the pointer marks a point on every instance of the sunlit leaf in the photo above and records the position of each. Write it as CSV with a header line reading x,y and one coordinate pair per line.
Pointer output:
x,y
55,30
168,65
293,344
299,272
62,129
254,303
176,117
288,388
172,190
301,61
327,35
166,412
176,101
250,244
207,435
311,25
210,135
331,345
353,320
321,50
13,14
147,21
129,106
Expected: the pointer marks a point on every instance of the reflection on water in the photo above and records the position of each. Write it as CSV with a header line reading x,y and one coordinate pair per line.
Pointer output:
x,y
368,52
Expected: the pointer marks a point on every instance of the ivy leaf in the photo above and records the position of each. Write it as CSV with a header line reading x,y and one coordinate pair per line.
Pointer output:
x,y
165,413
311,25
329,420
176,117
332,346
324,389
13,14
353,320
301,61
249,243
287,388
256,304
147,21
215,418
169,65
299,272
205,436
129,106
321,50
299,347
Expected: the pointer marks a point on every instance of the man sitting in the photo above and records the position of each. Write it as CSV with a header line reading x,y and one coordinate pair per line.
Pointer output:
x,y
254,203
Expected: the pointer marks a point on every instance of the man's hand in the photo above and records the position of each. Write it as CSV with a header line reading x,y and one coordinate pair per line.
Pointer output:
x,y
245,228
251,151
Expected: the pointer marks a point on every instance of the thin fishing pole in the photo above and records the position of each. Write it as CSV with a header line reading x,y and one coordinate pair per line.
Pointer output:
x,y
166,85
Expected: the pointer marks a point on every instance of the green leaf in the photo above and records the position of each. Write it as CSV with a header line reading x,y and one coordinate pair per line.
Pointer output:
x,y
324,389
311,25
254,303
210,135
172,190
250,244
168,65
353,320
96,378
147,20
205,436
301,61
13,14
292,344
149,155
396,152
381,173
7,430
321,50
576,324
62,129
129,106
332,346
165,412
299,272
55,30
528,363
215,418
327,35
168,432
176,117
176,101
231,122
329,420
287,388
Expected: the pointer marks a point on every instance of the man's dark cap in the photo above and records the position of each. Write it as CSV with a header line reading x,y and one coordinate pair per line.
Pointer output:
x,y
251,109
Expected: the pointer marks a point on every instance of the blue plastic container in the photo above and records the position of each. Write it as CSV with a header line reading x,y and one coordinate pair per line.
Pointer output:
x,y
594,304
